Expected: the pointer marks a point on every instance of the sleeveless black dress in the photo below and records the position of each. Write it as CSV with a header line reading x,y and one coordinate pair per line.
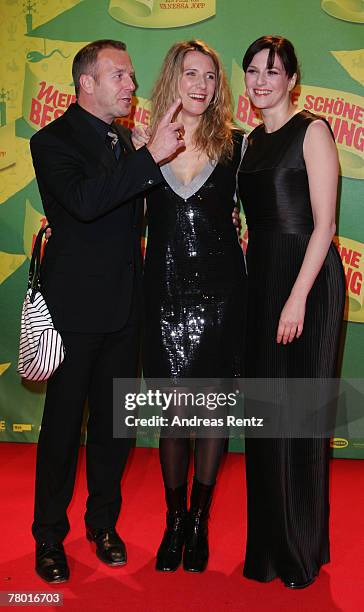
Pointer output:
x,y
194,276
287,479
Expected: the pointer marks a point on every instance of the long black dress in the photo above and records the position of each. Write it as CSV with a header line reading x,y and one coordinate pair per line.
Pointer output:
x,y
194,276
287,479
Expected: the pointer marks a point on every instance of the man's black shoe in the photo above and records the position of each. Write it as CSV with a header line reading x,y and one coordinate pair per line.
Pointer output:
x,y
110,548
51,563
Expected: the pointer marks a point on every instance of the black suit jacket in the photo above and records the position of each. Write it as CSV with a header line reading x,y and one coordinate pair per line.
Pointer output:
x,y
92,262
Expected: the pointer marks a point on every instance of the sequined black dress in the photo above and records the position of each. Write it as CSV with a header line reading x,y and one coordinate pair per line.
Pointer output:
x,y
194,276
287,479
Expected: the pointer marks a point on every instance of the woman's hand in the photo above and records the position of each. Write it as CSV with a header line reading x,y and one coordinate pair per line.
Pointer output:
x,y
140,136
291,320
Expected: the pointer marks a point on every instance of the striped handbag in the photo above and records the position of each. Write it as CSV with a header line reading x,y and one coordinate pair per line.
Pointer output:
x,y
41,349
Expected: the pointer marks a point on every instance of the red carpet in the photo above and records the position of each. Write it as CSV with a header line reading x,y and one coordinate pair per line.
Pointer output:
x,y
94,587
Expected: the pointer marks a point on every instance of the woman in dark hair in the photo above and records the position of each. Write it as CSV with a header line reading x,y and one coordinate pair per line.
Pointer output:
x,y
288,183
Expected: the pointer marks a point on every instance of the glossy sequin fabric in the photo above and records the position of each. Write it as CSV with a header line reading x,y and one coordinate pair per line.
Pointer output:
x,y
194,277
287,479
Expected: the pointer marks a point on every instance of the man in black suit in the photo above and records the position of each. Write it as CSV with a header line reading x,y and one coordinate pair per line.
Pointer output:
x,y
91,181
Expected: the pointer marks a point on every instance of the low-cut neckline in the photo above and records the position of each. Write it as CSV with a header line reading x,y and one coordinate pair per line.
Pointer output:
x,y
183,190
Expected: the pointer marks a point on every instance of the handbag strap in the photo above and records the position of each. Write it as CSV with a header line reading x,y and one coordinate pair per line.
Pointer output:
x,y
34,268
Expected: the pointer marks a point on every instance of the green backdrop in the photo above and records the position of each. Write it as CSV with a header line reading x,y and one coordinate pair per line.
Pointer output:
x,y
39,39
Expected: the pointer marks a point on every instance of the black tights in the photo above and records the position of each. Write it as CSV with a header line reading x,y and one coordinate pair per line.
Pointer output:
x,y
174,454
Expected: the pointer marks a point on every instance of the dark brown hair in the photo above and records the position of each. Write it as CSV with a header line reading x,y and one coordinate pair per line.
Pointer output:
x,y
85,60
276,45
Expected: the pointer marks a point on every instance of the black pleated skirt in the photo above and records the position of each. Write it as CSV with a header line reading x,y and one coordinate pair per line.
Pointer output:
x,y
287,478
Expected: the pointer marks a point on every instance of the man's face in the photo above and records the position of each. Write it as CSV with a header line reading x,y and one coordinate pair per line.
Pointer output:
x,y
113,85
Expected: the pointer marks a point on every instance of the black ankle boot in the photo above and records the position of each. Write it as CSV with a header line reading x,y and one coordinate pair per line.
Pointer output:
x,y
196,551
169,554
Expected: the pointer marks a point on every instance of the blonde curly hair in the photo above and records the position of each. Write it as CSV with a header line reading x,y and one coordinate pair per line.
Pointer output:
x,y
214,134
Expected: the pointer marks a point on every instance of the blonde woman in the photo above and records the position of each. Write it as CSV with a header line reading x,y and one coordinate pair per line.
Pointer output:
x,y
195,280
